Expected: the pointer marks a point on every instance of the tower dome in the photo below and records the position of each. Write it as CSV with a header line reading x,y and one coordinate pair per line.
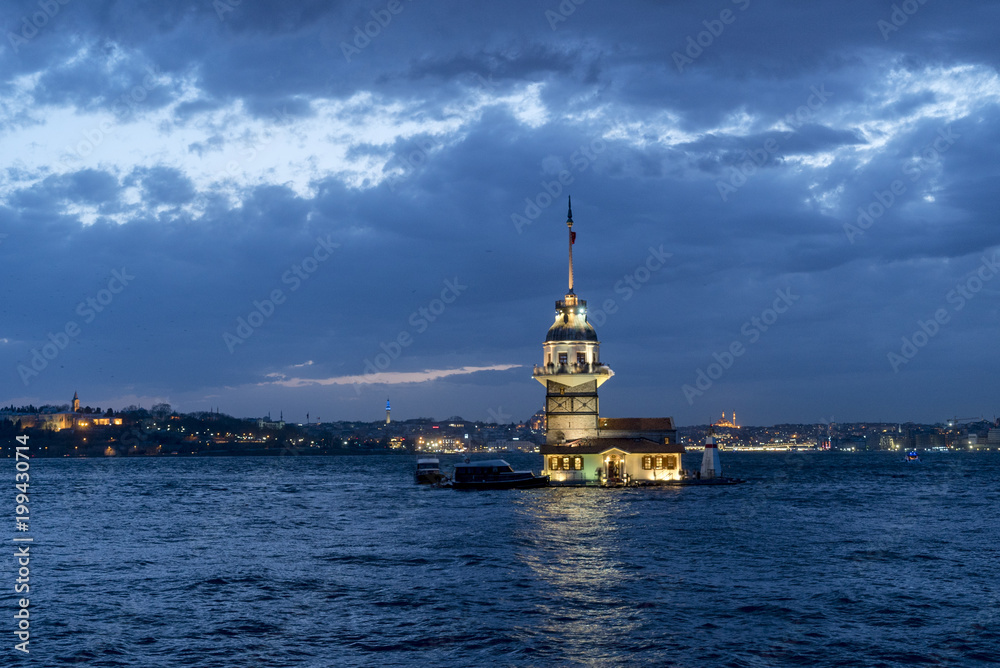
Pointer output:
x,y
571,324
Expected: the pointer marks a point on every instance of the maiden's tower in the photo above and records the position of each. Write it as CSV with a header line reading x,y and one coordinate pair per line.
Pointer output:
x,y
580,446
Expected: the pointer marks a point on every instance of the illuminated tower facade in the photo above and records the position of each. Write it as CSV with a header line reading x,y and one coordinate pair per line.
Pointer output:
x,y
387,409
571,370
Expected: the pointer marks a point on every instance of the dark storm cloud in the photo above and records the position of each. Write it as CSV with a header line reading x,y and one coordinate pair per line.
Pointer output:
x,y
808,139
515,63
88,185
164,185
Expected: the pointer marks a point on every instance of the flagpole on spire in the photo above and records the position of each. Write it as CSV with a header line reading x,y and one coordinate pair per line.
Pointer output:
x,y
572,238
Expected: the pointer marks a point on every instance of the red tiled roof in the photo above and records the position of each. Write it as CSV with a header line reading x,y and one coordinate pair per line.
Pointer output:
x,y
590,446
637,424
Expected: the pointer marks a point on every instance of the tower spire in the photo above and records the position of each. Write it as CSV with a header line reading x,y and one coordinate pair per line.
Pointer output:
x,y
572,239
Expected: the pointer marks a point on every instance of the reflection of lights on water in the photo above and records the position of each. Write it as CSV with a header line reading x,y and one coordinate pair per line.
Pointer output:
x,y
572,546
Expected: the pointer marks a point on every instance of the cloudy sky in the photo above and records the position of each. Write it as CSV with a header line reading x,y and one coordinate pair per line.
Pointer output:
x,y
783,209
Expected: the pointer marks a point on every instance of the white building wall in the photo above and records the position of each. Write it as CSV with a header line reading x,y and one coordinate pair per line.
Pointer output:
x,y
571,348
633,466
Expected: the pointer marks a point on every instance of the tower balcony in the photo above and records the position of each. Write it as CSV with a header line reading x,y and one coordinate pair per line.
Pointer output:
x,y
572,375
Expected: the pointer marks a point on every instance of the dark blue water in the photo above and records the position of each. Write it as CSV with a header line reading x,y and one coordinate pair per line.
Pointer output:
x,y
822,559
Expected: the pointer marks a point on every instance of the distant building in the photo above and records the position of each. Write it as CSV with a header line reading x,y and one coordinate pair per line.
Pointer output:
x,y
894,442
929,440
511,445
537,421
58,421
48,421
723,422
580,446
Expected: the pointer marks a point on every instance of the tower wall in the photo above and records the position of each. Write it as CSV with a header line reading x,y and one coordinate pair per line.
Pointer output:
x,y
571,412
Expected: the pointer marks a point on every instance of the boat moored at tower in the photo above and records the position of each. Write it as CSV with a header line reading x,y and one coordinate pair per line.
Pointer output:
x,y
494,474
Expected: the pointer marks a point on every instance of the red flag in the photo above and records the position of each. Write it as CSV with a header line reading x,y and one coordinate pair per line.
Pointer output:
x,y
572,237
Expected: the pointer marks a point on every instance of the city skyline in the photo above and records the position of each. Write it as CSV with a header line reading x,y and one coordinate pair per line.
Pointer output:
x,y
305,208
494,417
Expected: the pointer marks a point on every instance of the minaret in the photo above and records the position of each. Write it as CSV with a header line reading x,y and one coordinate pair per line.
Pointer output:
x,y
571,370
76,402
710,465
387,409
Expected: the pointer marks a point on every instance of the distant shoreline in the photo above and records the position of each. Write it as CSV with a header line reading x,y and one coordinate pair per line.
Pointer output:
x,y
272,453
361,453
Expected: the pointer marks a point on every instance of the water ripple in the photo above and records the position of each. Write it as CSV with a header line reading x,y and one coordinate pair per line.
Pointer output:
x,y
821,559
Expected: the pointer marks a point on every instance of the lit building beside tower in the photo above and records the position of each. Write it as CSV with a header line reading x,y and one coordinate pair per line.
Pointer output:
x,y
580,446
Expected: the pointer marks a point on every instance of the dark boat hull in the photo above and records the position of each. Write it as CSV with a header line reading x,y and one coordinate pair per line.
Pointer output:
x,y
429,477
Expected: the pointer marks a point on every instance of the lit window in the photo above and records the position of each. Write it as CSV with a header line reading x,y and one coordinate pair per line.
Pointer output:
x,y
578,463
565,463
647,463
670,462
659,462
553,463
581,358
563,358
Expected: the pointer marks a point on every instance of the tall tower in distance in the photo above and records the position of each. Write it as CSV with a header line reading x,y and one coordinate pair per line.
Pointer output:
x,y
76,402
387,409
571,369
